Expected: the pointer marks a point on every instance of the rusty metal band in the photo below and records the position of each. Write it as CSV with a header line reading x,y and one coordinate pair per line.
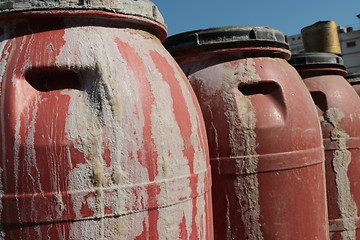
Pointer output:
x,y
45,202
269,162
351,143
337,225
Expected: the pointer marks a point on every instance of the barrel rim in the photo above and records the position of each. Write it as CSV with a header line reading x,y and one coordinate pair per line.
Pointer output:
x,y
353,78
140,8
157,29
317,59
239,35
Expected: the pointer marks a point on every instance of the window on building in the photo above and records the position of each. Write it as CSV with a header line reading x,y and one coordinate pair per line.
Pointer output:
x,y
351,44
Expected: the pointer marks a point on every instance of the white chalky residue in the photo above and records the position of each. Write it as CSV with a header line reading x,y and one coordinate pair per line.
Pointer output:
x,y
60,206
32,167
16,149
78,197
176,162
68,157
169,224
247,186
199,160
86,230
228,220
129,171
199,164
241,118
39,232
109,87
340,162
30,153
201,215
54,165
25,116
110,119
243,127
169,145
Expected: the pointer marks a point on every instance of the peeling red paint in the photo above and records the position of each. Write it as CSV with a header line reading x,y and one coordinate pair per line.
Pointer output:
x,y
88,136
147,155
183,119
339,114
265,152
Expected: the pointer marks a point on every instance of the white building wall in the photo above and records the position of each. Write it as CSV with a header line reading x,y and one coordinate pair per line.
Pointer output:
x,y
350,47
296,44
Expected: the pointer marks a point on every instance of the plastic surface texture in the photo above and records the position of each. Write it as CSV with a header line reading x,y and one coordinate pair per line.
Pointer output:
x,y
338,107
265,142
317,59
354,80
227,35
143,8
101,134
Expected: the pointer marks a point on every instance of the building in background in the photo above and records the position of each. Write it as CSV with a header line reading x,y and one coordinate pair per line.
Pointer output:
x,y
296,44
350,46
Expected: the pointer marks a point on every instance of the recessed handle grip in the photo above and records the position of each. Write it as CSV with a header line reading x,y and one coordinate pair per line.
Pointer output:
x,y
320,100
268,101
51,79
264,88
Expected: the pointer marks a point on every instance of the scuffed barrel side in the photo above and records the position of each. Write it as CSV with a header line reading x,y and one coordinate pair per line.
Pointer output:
x,y
265,145
356,87
354,80
339,113
101,136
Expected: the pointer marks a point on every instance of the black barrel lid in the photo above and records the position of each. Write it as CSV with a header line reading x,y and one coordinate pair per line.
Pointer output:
x,y
142,8
353,78
221,35
316,58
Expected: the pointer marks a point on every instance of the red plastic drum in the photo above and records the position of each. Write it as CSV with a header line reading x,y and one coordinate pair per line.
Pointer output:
x,y
101,134
338,107
354,80
263,132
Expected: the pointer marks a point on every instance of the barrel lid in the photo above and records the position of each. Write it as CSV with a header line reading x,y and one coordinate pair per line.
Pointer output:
x,y
221,35
142,8
316,58
353,78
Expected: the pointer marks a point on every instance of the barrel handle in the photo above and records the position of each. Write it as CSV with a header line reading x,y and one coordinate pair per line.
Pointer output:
x,y
267,97
320,101
261,87
267,88
52,79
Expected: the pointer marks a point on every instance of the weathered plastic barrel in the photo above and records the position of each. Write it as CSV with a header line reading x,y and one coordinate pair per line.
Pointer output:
x,y
264,136
354,80
101,134
322,36
338,107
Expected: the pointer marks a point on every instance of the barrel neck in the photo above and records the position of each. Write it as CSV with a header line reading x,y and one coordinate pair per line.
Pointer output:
x,y
313,71
83,18
355,83
230,53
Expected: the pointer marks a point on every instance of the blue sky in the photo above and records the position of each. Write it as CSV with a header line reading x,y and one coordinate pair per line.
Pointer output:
x,y
287,16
